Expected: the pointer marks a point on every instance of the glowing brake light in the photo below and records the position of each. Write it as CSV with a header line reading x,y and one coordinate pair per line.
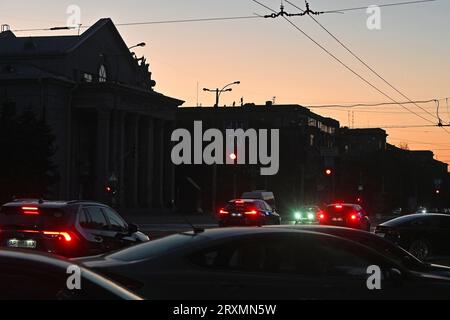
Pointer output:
x,y
239,202
251,213
65,235
338,206
321,216
353,217
30,210
223,211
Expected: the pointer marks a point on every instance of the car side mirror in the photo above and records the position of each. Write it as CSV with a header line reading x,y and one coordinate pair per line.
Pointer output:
x,y
133,228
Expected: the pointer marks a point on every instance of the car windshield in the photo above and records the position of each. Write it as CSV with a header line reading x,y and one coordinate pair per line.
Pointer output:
x,y
393,252
155,248
41,218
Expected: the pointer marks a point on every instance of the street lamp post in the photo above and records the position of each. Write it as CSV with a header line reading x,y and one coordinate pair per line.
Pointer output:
x,y
218,93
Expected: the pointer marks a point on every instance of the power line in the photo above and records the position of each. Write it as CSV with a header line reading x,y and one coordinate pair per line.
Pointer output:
x,y
152,23
343,63
357,105
380,5
362,61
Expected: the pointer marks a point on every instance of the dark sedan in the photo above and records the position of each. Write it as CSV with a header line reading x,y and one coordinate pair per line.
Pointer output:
x,y
29,276
261,263
248,212
383,246
423,235
345,215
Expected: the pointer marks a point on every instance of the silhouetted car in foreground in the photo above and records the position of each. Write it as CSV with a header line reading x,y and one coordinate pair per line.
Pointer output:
x,y
382,246
70,229
345,215
261,264
248,212
423,235
30,276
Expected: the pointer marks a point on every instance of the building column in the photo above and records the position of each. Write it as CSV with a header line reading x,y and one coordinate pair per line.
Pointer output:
x,y
150,160
102,157
170,172
135,158
120,156
161,163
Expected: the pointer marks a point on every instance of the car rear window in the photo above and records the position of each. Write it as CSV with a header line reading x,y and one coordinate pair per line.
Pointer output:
x,y
344,210
15,217
240,207
155,248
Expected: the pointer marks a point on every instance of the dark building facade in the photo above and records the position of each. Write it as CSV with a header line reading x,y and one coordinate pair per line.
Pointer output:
x,y
319,163
384,177
307,146
111,126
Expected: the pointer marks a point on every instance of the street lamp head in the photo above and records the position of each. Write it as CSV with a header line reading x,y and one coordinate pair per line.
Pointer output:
x,y
229,90
237,82
142,44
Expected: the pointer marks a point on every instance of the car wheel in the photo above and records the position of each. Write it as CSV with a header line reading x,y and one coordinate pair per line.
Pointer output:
x,y
420,249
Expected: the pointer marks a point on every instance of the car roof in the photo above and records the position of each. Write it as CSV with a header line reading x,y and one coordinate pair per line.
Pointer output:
x,y
412,217
246,200
49,203
344,205
63,263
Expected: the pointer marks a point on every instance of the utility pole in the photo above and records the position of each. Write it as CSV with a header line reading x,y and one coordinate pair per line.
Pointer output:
x,y
218,92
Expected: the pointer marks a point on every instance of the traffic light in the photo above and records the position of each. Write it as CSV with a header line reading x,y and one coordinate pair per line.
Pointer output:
x,y
111,190
438,191
233,156
329,172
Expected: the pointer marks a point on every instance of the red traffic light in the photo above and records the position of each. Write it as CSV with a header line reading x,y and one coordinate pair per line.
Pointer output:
x,y
233,156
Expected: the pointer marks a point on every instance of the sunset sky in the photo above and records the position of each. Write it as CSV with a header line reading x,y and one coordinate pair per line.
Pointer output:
x,y
272,59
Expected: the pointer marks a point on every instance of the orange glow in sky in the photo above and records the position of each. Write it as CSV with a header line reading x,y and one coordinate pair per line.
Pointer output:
x,y
272,59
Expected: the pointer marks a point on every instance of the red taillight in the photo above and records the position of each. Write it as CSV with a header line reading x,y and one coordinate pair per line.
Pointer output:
x,y
338,206
321,216
251,213
239,202
65,235
223,211
30,210
353,217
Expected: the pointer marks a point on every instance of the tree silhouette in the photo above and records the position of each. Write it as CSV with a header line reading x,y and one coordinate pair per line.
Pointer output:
x,y
26,152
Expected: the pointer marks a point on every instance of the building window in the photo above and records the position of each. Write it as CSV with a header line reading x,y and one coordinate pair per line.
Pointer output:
x,y
102,75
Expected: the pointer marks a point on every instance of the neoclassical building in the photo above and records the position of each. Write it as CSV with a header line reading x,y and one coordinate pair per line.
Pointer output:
x,y
111,126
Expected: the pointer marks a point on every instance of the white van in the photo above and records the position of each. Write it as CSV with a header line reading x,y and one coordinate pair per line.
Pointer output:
x,y
267,196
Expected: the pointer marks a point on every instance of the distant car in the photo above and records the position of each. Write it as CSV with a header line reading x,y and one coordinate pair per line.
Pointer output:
x,y
423,235
248,212
382,246
30,276
261,264
345,215
307,215
70,229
